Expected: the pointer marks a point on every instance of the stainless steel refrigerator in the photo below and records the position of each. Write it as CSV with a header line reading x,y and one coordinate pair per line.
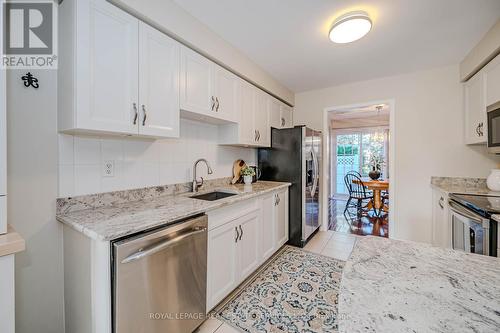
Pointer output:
x,y
295,157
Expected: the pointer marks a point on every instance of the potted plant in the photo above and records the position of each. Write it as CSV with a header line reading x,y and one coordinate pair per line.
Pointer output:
x,y
376,163
248,174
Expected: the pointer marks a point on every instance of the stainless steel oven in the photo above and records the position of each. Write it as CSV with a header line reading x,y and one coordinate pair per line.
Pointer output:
x,y
493,114
470,231
159,279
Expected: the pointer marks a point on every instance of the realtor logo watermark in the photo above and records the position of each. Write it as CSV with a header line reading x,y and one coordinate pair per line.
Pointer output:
x,y
29,35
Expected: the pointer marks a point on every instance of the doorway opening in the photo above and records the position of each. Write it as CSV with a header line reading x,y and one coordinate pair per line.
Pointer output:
x,y
359,200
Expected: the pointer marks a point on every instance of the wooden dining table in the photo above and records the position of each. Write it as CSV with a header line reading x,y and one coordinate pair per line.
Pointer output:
x,y
376,186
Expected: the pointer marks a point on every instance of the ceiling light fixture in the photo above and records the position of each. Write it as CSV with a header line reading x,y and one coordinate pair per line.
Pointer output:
x,y
350,27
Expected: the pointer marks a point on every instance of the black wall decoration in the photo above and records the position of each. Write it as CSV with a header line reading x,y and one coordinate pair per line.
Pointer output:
x,y
30,80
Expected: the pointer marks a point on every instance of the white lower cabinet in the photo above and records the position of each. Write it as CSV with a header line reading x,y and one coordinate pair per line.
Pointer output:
x,y
7,288
281,218
268,229
222,263
441,222
233,254
248,244
242,237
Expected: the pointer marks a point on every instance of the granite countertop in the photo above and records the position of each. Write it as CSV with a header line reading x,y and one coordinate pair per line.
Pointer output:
x,y
400,286
118,220
472,186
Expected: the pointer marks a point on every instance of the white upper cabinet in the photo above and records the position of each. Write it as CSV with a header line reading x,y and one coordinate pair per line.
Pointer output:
x,y
158,83
196,83
286,120
280,114
261,119
492,74
208,91
274,113
226,94
99,68
475,109
247,134
253,127
102,86
118,75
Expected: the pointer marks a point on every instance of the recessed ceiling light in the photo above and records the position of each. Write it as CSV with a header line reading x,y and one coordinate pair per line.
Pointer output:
x,y
350,27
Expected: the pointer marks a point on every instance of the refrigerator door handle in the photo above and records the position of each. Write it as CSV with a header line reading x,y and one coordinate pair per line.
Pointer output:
x,y
315,174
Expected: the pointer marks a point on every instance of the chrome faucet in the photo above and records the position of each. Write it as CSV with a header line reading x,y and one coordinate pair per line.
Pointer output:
x,y
196,183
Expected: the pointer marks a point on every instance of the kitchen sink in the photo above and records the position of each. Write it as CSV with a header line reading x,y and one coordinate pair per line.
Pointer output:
x,y
213,196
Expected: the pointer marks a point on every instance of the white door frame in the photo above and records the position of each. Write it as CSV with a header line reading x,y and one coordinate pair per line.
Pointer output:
x,y
393,232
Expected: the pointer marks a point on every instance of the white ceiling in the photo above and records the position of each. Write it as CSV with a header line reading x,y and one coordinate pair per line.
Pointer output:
x,y
289,38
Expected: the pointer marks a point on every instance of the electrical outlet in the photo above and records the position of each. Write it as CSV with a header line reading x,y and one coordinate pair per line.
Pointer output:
x,y
108,169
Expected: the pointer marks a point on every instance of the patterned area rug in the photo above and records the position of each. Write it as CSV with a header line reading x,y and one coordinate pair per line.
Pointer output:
x,y
296,292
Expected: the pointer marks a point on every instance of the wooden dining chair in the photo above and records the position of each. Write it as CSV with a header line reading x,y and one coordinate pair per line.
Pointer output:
x,y
357,194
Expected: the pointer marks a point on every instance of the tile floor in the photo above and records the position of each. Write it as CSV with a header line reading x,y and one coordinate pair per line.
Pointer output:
x,y
328,243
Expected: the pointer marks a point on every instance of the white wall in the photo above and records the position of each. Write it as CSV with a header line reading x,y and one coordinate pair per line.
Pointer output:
x,y
429,136
141,163
32,190
172,18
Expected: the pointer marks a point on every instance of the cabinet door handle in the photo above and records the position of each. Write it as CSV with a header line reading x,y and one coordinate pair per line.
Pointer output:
x,y
481,133
237,234
441,203
241,232
258,135
217,104
213,103
279,199
477,130
145,115
136,113
255,135
282,122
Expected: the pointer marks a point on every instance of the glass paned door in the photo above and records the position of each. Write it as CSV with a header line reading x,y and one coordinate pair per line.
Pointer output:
x,y
353,152
347,153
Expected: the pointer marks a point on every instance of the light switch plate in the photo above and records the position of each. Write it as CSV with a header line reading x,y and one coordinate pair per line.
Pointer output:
x,y
108,169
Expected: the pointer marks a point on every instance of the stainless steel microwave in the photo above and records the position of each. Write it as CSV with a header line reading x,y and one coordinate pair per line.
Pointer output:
x,y
493,114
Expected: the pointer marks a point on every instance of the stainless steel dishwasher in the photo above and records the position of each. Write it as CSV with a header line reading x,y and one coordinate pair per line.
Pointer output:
x,y
159,279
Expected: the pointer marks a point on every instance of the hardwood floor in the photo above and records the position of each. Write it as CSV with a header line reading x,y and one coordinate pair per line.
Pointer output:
x,y
366,225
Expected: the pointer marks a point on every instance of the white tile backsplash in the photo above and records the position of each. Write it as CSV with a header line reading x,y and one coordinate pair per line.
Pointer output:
x,y
87,151
142,163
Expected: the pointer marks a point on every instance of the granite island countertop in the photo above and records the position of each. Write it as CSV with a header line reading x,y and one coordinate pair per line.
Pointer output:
x,y
399,286
117,220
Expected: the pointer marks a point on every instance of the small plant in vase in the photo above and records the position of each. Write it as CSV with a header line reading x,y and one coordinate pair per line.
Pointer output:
x,y
247,174
376,163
